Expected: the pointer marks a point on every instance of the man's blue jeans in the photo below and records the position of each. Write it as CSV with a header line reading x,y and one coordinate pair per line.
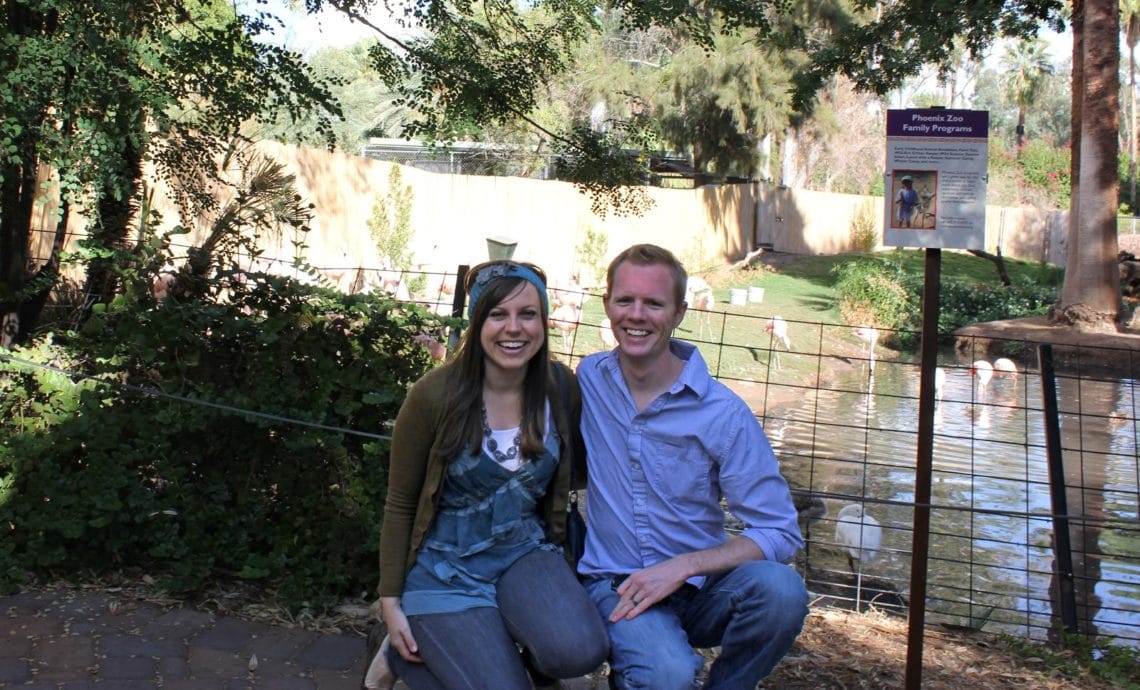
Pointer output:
x,y
753,612
541,606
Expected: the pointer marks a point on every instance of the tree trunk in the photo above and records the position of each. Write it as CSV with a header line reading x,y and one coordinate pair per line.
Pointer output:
x,y
115,209
1132,128
1020,129
788,158
1090,297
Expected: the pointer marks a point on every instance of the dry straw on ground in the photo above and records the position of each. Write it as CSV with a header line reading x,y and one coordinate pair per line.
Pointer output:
x,y
837,650
843,649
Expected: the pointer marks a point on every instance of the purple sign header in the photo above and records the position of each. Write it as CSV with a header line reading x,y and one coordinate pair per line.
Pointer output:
x,y
938,122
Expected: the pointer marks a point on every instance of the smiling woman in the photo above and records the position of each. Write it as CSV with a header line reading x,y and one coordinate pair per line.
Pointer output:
x,y
476,511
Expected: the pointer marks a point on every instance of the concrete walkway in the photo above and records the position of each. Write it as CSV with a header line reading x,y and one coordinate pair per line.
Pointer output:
x,y
82,640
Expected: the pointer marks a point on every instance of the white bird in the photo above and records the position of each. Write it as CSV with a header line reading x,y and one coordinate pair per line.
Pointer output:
x,y
699,296
1004,366
983,371
869,335
565,320
861,536
939,383
778,328
606,332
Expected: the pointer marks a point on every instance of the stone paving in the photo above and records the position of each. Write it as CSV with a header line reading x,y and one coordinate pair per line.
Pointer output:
x,y
81,640
66,640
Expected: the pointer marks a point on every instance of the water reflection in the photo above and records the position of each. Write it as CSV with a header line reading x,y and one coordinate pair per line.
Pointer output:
x,y
991,558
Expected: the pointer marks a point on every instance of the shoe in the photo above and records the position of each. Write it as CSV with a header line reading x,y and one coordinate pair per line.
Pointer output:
x,y
378,676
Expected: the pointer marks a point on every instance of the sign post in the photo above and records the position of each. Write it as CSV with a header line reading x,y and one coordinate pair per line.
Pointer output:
x,y
936,198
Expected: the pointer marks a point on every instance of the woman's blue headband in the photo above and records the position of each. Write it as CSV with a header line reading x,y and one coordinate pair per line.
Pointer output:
x,y
503,269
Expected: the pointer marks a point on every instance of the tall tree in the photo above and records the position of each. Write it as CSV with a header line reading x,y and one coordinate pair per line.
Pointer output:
x,y
1025,65
93,91
1090,296
719,105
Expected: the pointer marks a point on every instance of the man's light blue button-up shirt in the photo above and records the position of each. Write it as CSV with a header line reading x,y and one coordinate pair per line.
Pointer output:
x,y
656,478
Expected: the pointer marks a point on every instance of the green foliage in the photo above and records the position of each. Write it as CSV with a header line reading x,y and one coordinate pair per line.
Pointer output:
x,y
1038,175
1077,655
183,484
717,105
872,56
876,287
590,254
600,165
1046,168
887,293
391,221
91,90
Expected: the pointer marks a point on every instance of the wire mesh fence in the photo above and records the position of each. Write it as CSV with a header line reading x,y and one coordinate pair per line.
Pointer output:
x,y
840,407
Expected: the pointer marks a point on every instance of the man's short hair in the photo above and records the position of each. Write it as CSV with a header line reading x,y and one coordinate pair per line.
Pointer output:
x,y
651,255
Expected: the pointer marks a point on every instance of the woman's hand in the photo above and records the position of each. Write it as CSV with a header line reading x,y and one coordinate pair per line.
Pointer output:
x,y
399,632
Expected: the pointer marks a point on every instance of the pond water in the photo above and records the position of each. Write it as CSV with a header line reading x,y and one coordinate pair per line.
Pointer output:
x,y
991,558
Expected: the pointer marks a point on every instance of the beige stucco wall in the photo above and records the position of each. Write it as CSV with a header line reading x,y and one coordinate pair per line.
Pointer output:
x,y
453,215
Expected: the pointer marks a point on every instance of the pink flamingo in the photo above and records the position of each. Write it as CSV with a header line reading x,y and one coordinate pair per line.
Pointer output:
x,y
983,371
869,335
778,328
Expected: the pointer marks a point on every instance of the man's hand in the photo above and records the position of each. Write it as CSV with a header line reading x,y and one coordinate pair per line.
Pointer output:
x,y
648,586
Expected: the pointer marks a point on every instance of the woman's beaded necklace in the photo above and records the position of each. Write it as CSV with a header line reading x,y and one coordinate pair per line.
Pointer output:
x,y
504,458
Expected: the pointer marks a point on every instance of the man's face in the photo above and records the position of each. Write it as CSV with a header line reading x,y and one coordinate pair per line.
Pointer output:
x,y
642,310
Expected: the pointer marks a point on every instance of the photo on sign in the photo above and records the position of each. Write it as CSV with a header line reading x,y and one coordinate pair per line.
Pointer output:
x,y
914,193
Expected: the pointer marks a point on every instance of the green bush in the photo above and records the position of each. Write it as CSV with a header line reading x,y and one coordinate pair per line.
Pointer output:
x,y
97,475
880,292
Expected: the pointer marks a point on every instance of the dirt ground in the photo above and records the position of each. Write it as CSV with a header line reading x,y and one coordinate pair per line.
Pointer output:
x,y
843,649
837,650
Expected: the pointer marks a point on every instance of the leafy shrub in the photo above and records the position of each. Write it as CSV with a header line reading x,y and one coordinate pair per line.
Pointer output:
x,y
101,476
878,291
872,291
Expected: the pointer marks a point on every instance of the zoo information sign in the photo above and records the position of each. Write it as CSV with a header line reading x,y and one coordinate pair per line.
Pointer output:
x,y
936,178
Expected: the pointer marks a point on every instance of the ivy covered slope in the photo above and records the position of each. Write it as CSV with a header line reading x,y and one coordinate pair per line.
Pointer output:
x,y
96,475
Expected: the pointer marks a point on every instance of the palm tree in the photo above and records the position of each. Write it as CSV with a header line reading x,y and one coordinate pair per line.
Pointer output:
x,y
1025,66
1130,26
1090,296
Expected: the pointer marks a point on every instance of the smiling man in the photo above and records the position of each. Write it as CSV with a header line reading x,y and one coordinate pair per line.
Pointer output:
x,y
665,443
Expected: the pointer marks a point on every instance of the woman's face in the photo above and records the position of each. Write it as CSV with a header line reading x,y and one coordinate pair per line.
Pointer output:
x,y
514,331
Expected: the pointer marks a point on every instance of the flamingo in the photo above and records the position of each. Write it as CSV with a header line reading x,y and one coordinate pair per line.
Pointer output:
x,y
1004,366
939,383
869,335
699,296
983,371
778,328
861,536
565,320
606,332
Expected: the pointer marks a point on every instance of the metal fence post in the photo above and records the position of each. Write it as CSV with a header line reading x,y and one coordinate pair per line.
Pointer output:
x,y
457,304
1062,547
920,540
